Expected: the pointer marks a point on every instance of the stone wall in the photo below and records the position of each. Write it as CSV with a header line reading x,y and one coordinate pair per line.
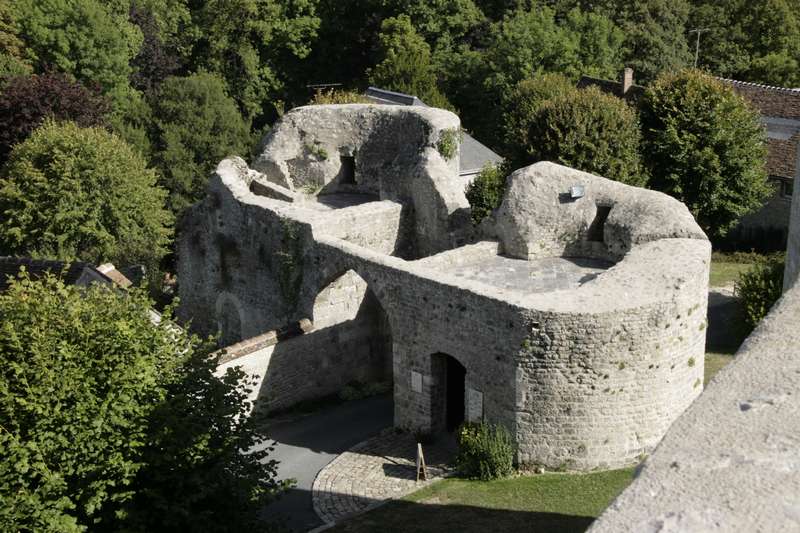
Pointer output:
x,y
793,249
586,377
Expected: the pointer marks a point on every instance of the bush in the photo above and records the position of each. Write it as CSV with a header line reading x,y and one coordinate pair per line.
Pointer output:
x,y
704,145
336,96
112,423
81,193
26,101
486,192
521,107
591,131
196,125
485,451
760,287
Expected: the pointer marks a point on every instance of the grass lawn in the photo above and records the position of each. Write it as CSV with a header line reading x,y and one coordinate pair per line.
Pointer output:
x,y
545,502
723,273
715,361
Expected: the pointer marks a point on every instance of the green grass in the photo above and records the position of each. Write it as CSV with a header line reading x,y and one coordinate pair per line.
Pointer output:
x,y
723,273
715,361
546,502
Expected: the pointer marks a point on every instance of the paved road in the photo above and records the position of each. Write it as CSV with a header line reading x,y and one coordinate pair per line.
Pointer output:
x,y
306,445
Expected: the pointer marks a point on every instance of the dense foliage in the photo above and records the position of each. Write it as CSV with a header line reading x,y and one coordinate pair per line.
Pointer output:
x,y
195,125
524,103
81,193
704,145
111,423
486,192
26,101
589,130
760,287
485,451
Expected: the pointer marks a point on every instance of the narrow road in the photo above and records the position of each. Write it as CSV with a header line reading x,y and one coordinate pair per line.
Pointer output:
x,y
306,445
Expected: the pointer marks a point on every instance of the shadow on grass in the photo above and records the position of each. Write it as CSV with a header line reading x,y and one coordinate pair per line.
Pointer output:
x,y
405,516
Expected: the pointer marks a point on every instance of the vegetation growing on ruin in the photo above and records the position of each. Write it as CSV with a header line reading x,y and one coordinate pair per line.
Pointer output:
x,y
290,262
337,96
486,192
448,143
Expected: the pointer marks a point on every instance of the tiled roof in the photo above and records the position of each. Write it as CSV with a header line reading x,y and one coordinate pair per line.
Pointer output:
x,y
612,87
75,273
474,155
738,83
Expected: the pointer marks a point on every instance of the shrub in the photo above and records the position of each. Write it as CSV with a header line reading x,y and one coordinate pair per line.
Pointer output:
x,y
81,193
760,287
26,101
485,451
521,107
336,96
704,145
196,124
112,423
448,143
486,192
591,131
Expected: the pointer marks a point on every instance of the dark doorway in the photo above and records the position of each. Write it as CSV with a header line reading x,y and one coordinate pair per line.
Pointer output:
x,y
347,175
454,387
595,232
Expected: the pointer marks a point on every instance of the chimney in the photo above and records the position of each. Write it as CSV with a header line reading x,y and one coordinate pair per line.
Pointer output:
x,y
627,80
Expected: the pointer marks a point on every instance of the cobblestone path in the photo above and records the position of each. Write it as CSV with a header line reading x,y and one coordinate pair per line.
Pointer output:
x,y
381,468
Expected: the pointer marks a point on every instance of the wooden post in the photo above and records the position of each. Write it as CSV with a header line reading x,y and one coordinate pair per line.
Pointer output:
x,y
422,470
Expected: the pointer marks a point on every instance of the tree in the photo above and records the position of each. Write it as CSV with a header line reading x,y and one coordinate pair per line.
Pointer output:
x,y
113,423
405,64
195,125
12,49
85,38
26,101
521,107
704,145
155,62
81,193
589,130
251,44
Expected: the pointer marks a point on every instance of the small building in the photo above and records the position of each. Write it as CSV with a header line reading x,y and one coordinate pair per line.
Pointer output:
x,y
75,273
765,229
779,107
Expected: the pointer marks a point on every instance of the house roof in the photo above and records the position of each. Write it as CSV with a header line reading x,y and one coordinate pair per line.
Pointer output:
x,y
474,155
780,114
75,273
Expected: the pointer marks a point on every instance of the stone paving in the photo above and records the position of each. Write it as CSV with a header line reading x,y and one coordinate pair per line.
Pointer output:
x,y
379,469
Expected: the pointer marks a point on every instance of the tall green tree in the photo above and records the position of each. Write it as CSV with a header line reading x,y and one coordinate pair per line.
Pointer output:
x,y
589,130
405,64
195,125
705,146
113,423
12,49
81,193
85,38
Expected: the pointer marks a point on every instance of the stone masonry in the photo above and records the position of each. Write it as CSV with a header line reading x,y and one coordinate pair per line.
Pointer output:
x,y
353,217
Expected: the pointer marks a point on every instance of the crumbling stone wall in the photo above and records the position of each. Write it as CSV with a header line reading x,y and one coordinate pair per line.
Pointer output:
x,y
587,377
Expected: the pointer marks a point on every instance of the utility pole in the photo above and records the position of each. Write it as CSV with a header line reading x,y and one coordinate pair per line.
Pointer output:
x,y
698,31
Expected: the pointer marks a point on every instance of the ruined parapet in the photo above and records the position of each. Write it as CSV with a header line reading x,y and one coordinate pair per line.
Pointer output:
x,y
553,210
404,154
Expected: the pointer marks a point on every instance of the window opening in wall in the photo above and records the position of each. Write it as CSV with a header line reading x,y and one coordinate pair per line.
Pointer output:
x,y
595,232
347,174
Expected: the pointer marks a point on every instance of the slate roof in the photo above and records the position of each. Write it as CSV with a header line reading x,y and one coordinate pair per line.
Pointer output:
x,y
75,273
474,155
612,87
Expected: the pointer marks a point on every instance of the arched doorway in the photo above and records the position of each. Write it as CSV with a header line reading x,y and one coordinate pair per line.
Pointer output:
x,y
449,398
356,327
